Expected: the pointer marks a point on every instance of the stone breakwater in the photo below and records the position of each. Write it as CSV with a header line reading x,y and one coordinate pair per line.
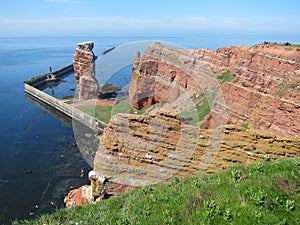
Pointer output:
x,y
33,87
67,109
41,81
84,67
264,93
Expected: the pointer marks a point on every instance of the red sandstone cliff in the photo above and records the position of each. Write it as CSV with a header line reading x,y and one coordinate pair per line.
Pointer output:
x,y
264,93
84,67
142,149
138,150
162,142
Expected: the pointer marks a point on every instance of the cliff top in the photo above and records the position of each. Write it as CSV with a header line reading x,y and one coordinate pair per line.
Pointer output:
x,y
291,52
285,51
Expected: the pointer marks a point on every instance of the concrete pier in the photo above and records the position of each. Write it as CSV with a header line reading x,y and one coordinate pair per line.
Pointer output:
x,y
31,88
42,80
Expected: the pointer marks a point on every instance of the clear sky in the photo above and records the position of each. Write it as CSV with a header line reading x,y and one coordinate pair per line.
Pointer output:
x,y
150,17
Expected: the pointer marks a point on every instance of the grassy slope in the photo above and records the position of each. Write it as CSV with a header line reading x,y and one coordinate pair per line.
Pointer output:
x,y
104,113
265,193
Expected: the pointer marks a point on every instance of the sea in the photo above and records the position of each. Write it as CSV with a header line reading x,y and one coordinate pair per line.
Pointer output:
x,y
39,158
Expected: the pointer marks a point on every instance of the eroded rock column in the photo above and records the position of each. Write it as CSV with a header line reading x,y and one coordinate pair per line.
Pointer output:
x,y
84,67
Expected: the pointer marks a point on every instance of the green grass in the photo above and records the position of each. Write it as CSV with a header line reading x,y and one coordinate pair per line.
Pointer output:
x,y
246,125
205,101
203,105
204,109
102,113
264,193
125,107
226,77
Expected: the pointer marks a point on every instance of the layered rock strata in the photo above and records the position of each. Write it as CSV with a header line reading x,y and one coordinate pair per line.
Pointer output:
x,y
84,68
138,150
261,93
264,93
165,143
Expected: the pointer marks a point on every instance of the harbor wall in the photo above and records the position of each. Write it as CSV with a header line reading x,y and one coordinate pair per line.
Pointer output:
x,y
39,81
67,109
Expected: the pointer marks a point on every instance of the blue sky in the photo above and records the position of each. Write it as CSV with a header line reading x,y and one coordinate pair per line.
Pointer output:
x,y
152,17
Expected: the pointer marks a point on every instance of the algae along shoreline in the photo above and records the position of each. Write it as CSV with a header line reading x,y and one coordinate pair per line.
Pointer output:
x,y
262,193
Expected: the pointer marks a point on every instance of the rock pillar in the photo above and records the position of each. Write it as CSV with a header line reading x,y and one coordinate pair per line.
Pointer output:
x,y
84,67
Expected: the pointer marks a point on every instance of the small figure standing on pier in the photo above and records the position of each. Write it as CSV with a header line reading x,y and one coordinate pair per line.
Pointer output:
x,y
50,68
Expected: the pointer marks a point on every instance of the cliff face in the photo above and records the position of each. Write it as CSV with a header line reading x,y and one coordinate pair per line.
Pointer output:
x,y
261,91
264,91
84,67
162,74
139,150
143,149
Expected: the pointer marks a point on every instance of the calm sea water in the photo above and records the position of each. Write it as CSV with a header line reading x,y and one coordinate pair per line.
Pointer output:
x,y
39,162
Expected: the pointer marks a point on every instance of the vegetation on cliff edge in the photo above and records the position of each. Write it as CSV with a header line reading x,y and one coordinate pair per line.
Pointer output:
x,y
104,113
263,193
226,77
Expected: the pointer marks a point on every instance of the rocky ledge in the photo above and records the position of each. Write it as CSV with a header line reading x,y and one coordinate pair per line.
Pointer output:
x,y
166,143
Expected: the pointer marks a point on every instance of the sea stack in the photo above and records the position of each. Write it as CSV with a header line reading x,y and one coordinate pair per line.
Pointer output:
x,y
84,67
